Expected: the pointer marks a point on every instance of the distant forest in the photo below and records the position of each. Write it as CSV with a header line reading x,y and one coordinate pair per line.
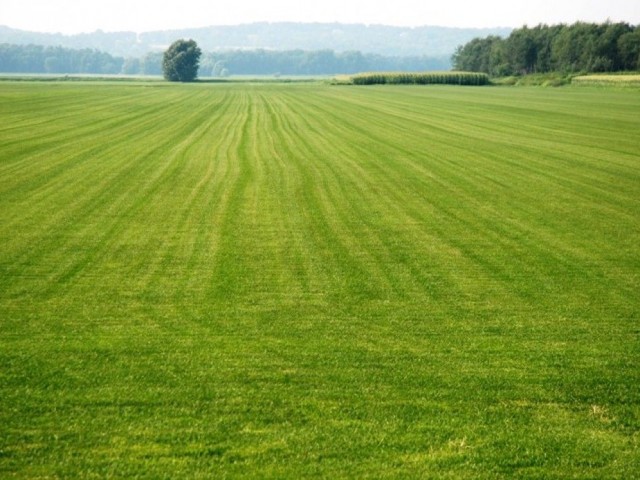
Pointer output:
x,y
581,47
59,60
254,49
284,36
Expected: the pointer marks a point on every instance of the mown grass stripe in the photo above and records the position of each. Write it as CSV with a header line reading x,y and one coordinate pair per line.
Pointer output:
x,y
58,219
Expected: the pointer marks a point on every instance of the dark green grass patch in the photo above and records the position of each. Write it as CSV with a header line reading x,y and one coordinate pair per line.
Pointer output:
x,y
269,281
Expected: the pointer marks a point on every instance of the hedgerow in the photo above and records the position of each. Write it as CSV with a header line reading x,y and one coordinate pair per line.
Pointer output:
x,y
424,78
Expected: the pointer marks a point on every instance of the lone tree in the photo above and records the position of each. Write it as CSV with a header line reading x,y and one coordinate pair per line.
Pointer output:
x,y
181,61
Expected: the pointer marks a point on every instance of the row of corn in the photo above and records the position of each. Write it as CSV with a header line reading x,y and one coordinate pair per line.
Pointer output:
x,y
425,78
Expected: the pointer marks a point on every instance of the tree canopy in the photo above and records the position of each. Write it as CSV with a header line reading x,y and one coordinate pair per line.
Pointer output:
x,y
180,62
581,47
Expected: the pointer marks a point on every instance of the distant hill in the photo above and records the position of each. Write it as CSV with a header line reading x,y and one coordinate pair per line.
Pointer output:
x,y
378,39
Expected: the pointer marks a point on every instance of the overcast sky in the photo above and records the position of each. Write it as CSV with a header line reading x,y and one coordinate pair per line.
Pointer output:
x,y
74,16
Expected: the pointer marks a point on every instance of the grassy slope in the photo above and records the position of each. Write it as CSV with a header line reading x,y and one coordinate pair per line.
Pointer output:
x,y
299,280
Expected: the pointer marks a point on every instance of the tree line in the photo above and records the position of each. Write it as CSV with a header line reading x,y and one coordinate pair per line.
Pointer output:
x,y
314,62
581,47
60,60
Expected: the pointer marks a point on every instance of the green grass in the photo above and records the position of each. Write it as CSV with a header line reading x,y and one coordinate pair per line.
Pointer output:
x,y
285,281
549,79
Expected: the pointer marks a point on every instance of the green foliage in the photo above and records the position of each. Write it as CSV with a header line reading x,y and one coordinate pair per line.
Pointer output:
x,y
39,59
322,62
629,49
304,281
581,47
480,52
426,78
551,79
180,61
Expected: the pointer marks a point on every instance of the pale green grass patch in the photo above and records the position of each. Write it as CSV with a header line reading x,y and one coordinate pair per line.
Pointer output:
x,y
610,80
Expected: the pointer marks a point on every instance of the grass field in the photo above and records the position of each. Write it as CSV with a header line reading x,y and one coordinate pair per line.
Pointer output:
x,y
285,281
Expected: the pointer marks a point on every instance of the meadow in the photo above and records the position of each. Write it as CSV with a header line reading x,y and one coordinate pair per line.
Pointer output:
x,y
304,280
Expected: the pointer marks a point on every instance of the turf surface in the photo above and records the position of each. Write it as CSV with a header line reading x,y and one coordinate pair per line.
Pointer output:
x,y
273,281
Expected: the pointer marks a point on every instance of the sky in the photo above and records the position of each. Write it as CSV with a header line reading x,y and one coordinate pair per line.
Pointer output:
x,y
76,16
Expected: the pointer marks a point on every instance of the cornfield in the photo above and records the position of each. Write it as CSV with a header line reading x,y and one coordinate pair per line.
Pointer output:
x,y
421,78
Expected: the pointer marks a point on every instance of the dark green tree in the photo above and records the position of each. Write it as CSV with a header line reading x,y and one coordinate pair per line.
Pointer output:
x,y
522,51
608,46
181,61
629,50
475,56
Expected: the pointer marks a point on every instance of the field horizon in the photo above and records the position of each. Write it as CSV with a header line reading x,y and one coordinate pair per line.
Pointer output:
x,y
303,280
